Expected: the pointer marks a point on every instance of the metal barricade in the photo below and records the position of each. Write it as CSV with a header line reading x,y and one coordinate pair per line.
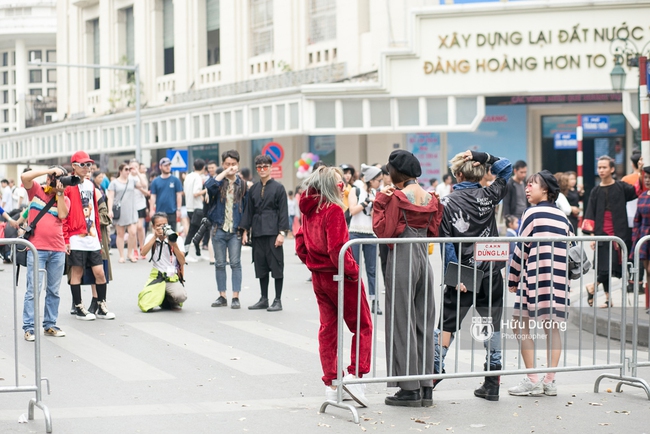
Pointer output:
x,y
37,387
637,314
589,355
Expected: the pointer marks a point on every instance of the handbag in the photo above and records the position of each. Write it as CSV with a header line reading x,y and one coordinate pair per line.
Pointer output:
x,y
578,263
117,207
20,256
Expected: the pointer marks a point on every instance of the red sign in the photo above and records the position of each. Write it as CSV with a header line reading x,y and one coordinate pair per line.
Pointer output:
x,y
275,151
276,172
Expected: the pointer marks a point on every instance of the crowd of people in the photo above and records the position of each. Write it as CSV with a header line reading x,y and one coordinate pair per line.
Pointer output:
x,y
218,207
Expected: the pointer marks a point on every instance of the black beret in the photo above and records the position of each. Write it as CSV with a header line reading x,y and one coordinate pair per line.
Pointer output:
x,y
551,181
646,169
405,162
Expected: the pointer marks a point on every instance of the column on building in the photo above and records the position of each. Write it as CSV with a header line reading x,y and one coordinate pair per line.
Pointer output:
x,y
21,83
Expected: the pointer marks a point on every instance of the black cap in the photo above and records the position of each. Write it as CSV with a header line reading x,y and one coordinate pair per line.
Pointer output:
x,y
646,169
551,181
345,167
405,162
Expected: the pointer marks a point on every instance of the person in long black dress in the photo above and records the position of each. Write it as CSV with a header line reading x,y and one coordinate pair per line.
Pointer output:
x,y
266,222
607,215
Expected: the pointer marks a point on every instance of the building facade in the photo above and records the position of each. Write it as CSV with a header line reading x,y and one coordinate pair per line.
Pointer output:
x,y
347,80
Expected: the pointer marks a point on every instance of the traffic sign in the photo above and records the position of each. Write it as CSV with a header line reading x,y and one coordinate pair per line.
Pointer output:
x,y
492,251
275,151
178,158
276,172
565,141
595,124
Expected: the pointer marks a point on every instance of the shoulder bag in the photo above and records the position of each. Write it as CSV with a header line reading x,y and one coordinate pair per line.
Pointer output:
x,y
117,207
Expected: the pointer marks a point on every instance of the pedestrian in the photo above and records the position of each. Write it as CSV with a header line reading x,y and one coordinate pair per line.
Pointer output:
x,y
193,189
541,296
291,207
165,286
348,178
561,201
83,239
318,243
246,175
433,184
7,201
444,188
47,237
470,211
19,195
406,210
137,174
121,194
166,193
573,195
296,207
642,224
228,194
515,203
360,202
607,215
266,222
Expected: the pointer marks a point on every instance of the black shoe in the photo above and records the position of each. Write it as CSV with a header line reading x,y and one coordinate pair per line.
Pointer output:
x,y
405,398
235,303
220,302
375,307
490,388
73,309
276,306
262,304
93,306
436,382
427,396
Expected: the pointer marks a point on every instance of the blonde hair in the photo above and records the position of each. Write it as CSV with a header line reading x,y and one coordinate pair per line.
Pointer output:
x,y
324,182
470,172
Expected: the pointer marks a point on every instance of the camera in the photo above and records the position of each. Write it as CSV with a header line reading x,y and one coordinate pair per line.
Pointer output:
x,y
169,233
205,225
68,181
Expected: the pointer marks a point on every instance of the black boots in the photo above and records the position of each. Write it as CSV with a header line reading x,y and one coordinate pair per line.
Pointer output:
x,y
276,306
427,396
262,304
490,388
375,307
405,398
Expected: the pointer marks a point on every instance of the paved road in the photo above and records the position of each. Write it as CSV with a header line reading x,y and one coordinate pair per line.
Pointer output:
x,y
221,370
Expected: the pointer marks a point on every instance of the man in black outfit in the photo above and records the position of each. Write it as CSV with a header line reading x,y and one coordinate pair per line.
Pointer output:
x,y
266,221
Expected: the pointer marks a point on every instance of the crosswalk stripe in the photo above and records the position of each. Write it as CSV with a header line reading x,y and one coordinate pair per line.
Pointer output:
x,y
107,358
276,334
232,357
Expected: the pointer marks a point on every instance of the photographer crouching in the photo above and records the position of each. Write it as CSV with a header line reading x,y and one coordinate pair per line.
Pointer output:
x,y
164,287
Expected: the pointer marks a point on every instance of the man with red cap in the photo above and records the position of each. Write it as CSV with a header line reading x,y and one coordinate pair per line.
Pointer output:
x,y
84,247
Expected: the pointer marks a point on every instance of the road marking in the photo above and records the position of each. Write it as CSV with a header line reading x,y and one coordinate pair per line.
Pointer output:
x,y
7,369
276,334
107,358
232,357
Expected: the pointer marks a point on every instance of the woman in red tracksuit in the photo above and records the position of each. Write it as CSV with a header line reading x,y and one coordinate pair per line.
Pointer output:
x,y
318,243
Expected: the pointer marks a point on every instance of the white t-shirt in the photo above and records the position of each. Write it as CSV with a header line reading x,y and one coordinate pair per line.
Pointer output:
x,y
164,261
7,199
193,184
443,189
86,242
19,192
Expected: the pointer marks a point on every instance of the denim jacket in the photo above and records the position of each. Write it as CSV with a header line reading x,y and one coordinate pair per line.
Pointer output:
x,y
217,211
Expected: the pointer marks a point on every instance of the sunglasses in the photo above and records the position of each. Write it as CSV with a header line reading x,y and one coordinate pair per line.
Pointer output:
x,y
86,165
262,166
341,185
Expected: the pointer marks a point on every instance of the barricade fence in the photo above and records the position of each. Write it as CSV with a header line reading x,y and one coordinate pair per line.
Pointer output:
x,y
37,386
640,314
459,319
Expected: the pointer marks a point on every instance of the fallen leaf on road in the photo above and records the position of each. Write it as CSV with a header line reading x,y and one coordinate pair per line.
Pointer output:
x,y
596,404
234,358
603,423
515,414
477,425
558,417
323,425
622,412
609,390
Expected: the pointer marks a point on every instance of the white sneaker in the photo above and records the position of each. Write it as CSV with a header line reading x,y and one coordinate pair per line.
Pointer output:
x,y
102,311
330,395
356,391
191,259
550,389
527,388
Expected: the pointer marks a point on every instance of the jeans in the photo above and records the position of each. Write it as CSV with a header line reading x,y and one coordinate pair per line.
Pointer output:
x,y
52,263
494,357
220,242
369,257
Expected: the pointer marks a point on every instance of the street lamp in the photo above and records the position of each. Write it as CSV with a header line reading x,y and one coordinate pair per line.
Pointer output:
x,y
621,48
131,68
618,76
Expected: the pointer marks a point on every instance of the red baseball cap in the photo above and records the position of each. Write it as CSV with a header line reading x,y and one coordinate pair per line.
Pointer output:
x,y
81,157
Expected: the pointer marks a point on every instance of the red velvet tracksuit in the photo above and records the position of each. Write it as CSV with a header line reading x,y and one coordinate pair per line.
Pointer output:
x,y
318,243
